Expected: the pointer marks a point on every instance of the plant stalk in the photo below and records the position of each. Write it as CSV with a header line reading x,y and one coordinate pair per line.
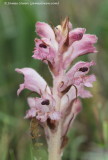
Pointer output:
x,y
54,145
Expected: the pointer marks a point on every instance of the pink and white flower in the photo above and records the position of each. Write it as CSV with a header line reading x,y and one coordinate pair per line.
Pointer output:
x,y
41,108
59,47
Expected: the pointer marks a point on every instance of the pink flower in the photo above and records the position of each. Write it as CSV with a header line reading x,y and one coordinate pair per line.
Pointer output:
x,y
54,115
61,45
76,35
81,47
44,30
84,46
44,51
43,107
32,81
58,47
77,77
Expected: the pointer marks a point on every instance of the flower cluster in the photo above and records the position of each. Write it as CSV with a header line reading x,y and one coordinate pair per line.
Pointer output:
x,y
58,47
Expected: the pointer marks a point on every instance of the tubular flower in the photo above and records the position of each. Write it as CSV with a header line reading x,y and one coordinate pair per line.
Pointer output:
x,y
57,106
43,107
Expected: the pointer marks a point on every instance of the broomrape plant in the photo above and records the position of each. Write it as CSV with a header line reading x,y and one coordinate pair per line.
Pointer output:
x,y
58,106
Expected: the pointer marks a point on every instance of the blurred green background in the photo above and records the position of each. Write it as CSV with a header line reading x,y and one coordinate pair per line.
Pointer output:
x,y
89,135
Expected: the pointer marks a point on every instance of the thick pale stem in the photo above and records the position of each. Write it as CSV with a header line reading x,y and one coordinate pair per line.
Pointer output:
x,y
54,142
54,145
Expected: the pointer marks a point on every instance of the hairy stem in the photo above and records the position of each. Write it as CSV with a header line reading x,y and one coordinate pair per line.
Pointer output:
x,y
54,145
54,142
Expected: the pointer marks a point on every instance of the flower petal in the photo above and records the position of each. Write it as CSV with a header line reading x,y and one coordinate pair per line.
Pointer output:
x,y
84,93
44,30
76,74
88,80
32,81
42,117
80,68
78,48
76,35
43,109
31,102
31,113
84,46
54,115
44,51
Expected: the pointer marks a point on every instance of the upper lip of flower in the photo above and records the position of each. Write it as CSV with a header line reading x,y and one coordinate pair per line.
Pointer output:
x,y
33,81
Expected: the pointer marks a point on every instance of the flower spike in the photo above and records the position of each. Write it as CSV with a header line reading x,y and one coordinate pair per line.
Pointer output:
x,y
56,107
